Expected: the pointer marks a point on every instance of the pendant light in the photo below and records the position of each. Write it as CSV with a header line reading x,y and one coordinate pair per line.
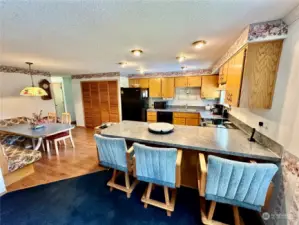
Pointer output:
x,y
32,90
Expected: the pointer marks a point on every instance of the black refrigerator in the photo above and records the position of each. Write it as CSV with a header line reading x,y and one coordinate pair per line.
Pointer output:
x,y
134,103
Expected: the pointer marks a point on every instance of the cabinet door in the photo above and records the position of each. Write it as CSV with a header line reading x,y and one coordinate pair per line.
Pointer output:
x,y
181,81
209,87
234,78
192,122
143,83
179,121
134,82
113,101
104,101
168,87
87,104
194,81
155,88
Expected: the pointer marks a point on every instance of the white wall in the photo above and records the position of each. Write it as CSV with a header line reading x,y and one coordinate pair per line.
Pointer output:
x,y
282,121
14,105
77,95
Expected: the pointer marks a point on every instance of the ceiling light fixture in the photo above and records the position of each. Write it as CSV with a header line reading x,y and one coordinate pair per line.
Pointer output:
x,y
136,52
181,58
32,90
199,44
122,64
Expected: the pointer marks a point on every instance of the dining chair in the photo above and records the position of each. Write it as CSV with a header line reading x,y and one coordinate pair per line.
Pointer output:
x,y
158,166
113,153
56,138
240,184
52,117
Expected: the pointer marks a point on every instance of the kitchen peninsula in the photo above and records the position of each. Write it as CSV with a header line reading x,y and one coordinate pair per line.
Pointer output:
x,y
229,142
226,143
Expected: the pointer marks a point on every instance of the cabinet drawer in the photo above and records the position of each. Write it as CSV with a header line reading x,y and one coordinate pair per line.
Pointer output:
x,y
179,121
185,115
192,122
151,113
152,117
151,121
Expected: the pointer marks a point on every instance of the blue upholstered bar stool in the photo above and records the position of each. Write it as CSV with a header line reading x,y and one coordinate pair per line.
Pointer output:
x,y
113,153
160,166
239,184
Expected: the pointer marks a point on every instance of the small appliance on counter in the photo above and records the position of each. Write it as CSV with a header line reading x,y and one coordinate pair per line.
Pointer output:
x,y
217,109
134,103
160,104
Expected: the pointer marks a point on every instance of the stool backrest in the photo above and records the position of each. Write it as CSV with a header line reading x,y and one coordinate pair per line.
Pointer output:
x,y
238,183
156,165
112,152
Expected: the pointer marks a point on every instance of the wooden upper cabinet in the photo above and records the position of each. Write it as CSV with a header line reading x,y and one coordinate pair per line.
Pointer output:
x,y
260,72
155,88
194,81
181,81
133,82
209,88
144,82
167,87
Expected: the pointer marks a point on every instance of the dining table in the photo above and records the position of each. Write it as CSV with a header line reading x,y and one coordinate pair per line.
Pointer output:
x,y
38,134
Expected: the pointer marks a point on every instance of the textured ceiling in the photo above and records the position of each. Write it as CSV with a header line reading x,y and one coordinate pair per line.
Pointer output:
x,y
73,37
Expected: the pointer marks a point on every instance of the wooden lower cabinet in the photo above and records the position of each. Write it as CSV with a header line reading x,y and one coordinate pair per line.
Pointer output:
x,y
152,117
189,119
100,102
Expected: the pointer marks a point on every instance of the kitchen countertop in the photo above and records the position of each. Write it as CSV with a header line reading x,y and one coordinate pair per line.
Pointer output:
x,y
214,140
205,114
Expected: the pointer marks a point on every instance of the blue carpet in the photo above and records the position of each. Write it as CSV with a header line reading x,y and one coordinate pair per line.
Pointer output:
x,y
87,200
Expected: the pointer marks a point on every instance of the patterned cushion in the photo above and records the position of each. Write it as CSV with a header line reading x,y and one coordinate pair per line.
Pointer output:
x,y
17,156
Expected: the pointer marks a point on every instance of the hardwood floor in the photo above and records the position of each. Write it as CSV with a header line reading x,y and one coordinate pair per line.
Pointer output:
x,y
71,162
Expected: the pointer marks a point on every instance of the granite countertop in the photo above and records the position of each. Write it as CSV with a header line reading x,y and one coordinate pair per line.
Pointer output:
x,y
216,140
205,114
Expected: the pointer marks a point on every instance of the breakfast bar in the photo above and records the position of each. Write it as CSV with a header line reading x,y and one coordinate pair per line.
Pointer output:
x,y
226,143
231,142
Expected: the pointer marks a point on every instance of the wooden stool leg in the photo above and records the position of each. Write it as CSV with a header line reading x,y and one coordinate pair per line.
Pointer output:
x,y
212,210
113,179
236,215
148,193
166,195
127,184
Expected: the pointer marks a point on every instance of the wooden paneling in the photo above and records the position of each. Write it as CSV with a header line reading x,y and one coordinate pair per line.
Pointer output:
x,y
155,88
260,72
100,102
167,87
144,83
194,81
181,81
209,87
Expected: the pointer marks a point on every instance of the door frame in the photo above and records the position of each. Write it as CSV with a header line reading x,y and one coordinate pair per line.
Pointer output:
x,y
63,96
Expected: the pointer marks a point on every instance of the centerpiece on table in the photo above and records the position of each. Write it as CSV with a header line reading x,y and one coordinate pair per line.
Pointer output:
x,y
37,121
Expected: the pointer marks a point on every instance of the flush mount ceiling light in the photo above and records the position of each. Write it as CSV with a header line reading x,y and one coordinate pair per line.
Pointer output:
x,y
180,58
136,52
199,44
32,90
122,64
